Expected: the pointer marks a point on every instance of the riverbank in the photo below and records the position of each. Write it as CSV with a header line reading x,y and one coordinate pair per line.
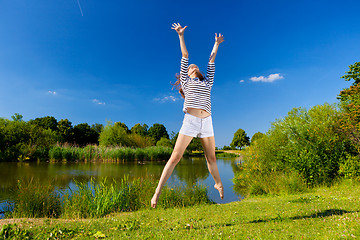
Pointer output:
x,y
322,213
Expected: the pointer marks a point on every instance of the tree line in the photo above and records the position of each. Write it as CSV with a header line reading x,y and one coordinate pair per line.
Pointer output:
x,y
31,140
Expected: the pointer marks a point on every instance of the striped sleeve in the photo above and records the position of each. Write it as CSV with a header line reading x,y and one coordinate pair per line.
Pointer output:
x,y
210,73
184,69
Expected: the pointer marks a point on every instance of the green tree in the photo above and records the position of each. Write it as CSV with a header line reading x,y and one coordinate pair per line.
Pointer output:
x,y
353,73
17,117
139,129
195,145
165,142
123,125
157,131
84,134
256,137
115,135
66,130
45,122
98,127
240,139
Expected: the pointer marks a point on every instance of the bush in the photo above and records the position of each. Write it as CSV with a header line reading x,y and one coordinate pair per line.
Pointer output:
x,y
305,146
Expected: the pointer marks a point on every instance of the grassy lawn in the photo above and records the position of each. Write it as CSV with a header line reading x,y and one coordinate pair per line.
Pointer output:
x,y
324,213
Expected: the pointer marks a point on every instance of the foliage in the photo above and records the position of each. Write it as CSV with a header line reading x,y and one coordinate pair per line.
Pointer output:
x,y
350,115
97,127
240,139
256,136
353,73
117,135
195,145
141,130
305,146
165,142
157,131
12,231
123,125
66,130
84,134
20,140
228,148
45,122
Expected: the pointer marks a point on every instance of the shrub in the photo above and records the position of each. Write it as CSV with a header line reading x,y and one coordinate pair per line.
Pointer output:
x,y
305,146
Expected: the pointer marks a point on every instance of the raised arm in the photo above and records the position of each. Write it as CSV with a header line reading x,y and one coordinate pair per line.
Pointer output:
x,y
218,39
180,30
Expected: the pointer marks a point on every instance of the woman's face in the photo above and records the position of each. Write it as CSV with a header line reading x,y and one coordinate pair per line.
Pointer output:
x,y
193,69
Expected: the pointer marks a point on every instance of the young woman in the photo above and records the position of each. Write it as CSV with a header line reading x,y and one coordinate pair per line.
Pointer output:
x,y
196,89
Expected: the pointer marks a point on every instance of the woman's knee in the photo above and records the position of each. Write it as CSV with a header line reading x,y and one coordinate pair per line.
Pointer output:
x,y
175,157
211,159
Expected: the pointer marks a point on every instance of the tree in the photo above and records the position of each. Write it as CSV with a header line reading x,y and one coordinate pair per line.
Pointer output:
x,y
240,139
17,117
164,142
45,122
256,137
115,135
84,135
98,127
66,130
123,125
157,131
195,145
140,130
353,73
350,106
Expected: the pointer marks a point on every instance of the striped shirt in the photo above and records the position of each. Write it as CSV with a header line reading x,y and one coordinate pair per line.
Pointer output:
x,y
197,92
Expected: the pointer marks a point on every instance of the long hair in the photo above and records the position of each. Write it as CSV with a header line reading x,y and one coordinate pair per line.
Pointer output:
x,y
177,84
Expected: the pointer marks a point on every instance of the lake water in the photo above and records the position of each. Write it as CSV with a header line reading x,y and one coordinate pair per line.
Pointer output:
x,y
187,172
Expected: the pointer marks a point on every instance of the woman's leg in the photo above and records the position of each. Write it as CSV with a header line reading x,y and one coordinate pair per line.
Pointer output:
x,y
209,149
181,144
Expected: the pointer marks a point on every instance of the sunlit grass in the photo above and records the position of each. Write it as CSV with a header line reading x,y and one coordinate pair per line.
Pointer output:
x,y
323,213
98,198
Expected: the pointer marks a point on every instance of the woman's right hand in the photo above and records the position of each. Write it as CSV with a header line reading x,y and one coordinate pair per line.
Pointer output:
x,y
177,27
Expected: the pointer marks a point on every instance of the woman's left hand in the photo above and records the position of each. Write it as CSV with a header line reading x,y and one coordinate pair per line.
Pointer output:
x,y
219,39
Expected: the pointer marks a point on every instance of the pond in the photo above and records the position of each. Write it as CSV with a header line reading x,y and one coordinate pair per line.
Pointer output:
x,y
188,172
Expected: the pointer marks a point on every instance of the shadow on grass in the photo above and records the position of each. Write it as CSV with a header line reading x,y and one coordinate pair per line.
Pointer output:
x,y
326,213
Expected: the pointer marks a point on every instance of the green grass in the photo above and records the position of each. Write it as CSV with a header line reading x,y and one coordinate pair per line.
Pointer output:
x,y
323,213
97,198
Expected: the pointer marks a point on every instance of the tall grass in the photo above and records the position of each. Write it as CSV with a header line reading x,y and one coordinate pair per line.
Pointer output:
x,y
93,152
99,198
34,200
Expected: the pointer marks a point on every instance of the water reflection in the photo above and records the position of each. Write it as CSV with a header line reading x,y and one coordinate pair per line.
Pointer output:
x,y
189,171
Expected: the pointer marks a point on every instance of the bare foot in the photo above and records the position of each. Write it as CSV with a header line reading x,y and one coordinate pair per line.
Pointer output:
x,y
155,199
221,190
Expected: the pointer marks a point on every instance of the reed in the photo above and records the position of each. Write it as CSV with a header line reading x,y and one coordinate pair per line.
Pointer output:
x,y
98,198
34,200
94,153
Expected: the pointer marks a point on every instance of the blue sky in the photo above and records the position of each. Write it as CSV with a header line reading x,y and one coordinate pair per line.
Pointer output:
x,y
93,61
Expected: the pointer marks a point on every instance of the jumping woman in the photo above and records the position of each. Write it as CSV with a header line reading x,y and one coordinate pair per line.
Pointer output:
x,y
196,89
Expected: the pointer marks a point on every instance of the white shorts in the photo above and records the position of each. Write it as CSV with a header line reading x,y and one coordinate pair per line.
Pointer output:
x,y
197,127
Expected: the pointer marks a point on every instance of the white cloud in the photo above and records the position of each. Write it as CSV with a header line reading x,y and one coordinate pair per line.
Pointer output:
x,y
242,81
96,101
166,99
52,93
271,78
